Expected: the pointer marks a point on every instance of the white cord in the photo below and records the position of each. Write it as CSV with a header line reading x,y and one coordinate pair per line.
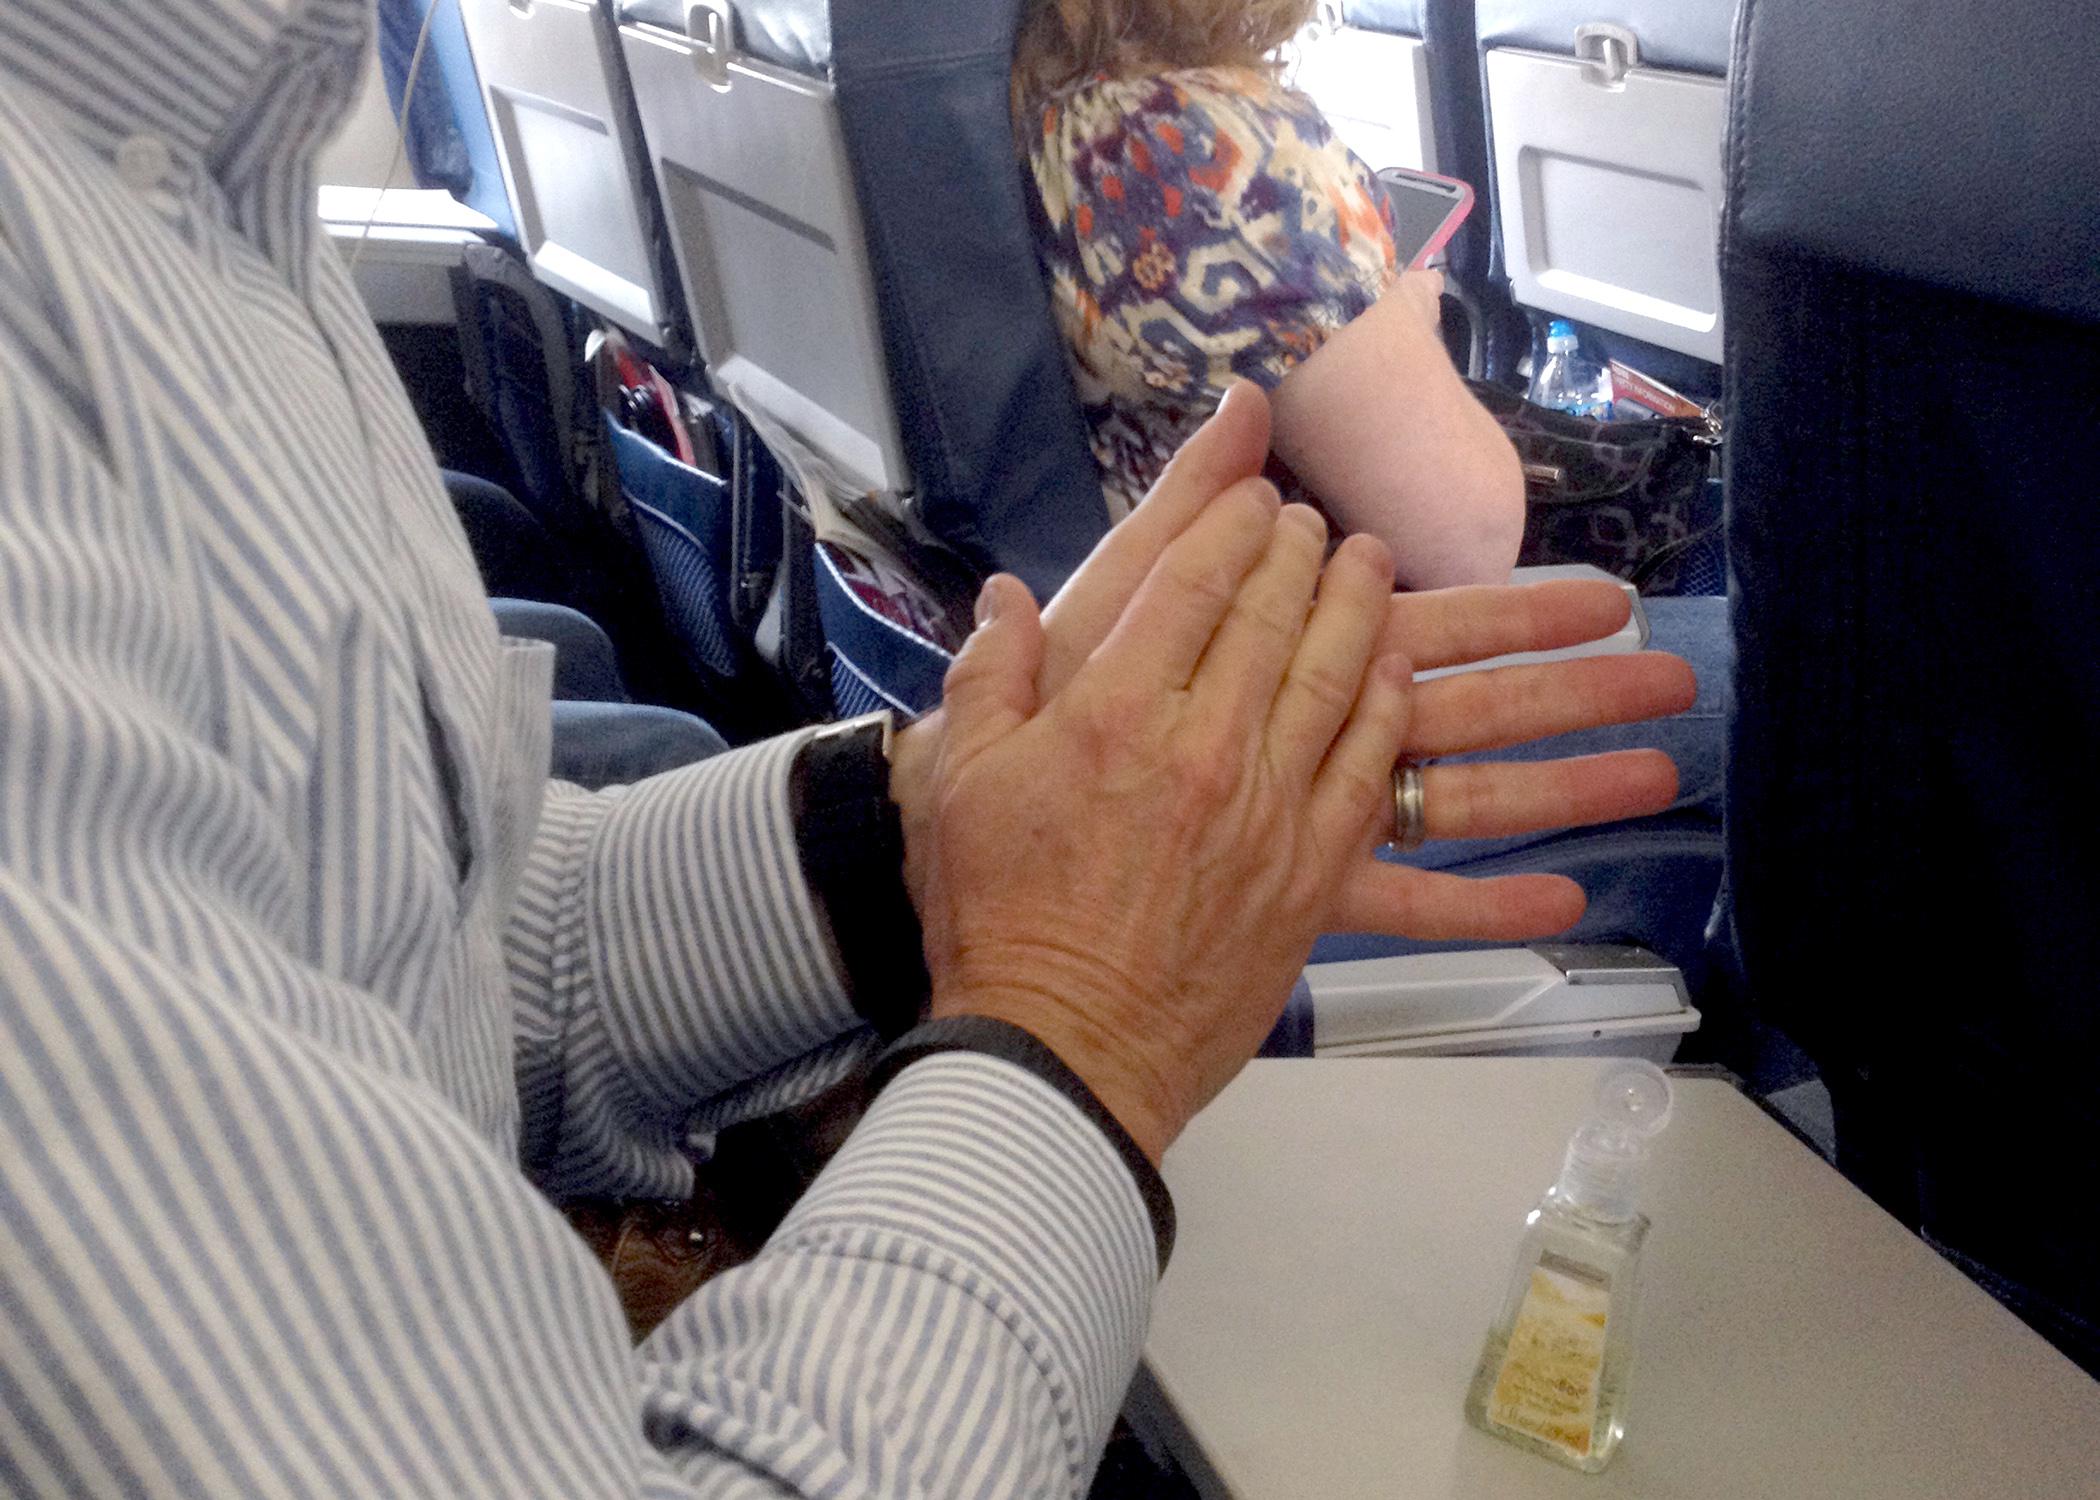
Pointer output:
x,y
408,98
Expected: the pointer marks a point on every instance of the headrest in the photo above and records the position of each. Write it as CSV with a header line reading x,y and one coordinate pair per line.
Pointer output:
x,y
793,34
1400,17
1686,36
1932,140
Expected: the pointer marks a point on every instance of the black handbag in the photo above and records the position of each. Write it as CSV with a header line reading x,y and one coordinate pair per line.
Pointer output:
x,y
1627,497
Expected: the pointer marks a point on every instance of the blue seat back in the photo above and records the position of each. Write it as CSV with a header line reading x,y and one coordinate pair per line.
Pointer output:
x,y
1914,362
979,368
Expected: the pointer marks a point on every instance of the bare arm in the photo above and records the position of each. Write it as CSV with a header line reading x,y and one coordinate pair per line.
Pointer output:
x,y
1377,424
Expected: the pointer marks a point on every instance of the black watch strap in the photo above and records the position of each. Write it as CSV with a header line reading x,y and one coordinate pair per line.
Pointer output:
x,y
1014,1044
851,844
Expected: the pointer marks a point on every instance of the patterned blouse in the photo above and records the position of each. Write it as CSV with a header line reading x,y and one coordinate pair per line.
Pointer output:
x,y
1198,225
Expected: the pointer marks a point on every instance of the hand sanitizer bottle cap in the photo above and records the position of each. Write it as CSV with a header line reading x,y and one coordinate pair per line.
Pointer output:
x,y
1601,1175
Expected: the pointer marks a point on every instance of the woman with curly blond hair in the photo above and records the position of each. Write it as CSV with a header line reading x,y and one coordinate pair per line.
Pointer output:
x,y
1202,223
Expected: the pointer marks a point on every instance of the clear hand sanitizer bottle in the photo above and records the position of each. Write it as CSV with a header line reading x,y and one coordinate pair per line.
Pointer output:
x,y
1553,1375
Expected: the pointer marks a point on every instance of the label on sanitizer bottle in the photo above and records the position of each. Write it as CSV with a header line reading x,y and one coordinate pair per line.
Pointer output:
x,y
1547,1387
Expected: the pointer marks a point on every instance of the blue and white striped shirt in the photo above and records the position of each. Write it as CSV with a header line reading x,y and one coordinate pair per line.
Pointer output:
x,y
307,975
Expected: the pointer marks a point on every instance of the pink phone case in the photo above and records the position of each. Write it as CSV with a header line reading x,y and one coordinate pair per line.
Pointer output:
x,y
1461,198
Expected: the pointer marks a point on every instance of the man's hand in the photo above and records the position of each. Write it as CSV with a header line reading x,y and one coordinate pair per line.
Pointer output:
x,y
1135,870
1474,711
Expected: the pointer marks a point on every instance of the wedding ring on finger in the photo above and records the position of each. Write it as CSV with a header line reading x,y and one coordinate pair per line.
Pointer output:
x,y
1410,814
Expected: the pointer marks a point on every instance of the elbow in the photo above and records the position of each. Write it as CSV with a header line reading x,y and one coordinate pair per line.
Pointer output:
x,y
1483,537
1502,512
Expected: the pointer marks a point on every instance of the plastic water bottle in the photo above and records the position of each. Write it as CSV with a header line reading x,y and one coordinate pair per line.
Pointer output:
x,y
1568,382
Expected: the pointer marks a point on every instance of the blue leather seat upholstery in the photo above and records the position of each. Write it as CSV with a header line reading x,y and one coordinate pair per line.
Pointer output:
x,y
990,417
1914,362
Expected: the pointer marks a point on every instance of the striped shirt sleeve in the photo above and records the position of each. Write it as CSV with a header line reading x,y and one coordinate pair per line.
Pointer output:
x,y
299,956
964,1292
665,951
252,1243
239,1263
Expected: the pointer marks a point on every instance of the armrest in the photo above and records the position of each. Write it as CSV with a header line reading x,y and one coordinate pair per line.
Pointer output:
x,y
1558,998
405,242
1632,636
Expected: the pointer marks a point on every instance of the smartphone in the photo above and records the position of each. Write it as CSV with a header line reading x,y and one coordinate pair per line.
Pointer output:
x,y
1427,210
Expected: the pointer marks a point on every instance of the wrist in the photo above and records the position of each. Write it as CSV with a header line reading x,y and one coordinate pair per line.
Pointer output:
x,y
1125,1081
851,847
914,757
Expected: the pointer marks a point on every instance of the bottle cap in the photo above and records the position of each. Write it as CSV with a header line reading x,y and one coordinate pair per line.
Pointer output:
x,y
1560,334
1601,1175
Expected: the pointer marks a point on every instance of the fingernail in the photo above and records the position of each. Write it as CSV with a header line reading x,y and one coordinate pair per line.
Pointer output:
x,y
1307,520
988,602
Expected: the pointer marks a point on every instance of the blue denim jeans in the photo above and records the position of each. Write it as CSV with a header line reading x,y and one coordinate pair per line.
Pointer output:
x,y
601,739
1650,880
611,744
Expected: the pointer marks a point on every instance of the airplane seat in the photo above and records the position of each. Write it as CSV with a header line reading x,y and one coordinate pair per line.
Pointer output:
x,y
795,34
766,233
1913,354
558,105
851,232
586,663
600,736
1605,120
